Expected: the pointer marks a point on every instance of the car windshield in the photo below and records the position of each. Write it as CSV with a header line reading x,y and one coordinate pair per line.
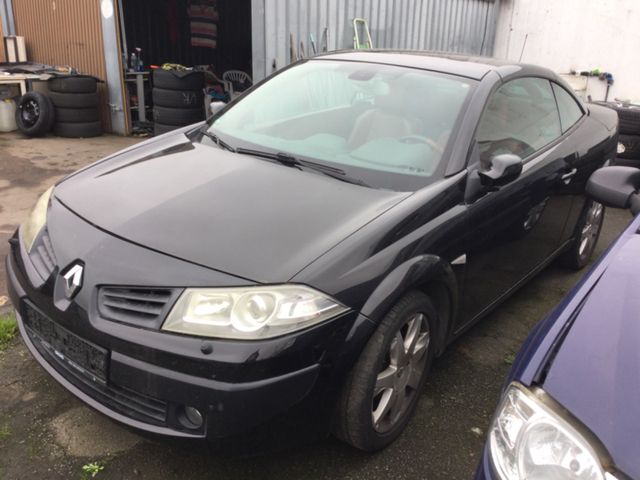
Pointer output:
x,y
386,126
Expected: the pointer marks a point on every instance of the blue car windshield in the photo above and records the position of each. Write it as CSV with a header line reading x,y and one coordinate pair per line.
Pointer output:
x,y
388,126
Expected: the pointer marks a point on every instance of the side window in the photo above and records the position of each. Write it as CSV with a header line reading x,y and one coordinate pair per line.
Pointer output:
x,y
570,110
521,118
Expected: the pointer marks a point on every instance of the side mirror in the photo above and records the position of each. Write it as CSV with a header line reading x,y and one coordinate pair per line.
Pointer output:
x,y
504,169
616,187
215,107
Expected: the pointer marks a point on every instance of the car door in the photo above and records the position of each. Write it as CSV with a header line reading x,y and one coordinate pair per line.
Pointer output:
x,y
578,137
516,228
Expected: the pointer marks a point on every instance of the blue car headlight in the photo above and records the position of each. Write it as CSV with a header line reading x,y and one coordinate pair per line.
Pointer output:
x,y
530,438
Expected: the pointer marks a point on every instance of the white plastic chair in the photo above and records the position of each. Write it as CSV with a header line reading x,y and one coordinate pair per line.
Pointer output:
x,y
230,77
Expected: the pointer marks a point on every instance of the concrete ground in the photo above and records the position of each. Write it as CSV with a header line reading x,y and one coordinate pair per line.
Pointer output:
x,y
28,166
46,433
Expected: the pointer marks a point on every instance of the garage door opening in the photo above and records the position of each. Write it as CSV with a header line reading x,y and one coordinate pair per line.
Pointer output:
x,y
214,35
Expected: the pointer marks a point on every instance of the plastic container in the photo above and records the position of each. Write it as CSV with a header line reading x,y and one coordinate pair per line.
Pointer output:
x,y
7,116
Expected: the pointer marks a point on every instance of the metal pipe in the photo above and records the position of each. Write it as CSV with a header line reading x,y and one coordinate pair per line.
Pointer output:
x,y
6,14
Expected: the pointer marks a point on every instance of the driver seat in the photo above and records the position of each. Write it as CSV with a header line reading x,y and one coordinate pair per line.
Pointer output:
x,y
385,120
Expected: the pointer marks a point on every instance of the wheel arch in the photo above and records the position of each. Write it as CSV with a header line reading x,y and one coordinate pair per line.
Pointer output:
x,y
429,274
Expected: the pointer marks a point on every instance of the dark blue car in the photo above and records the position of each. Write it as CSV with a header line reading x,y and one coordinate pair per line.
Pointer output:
x,y
570,408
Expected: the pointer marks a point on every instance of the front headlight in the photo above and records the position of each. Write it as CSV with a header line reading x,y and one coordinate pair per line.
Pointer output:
x,y
528,439
249,313
36,220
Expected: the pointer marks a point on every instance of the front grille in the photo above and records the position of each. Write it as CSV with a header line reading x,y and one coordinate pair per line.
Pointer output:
x,y
143,307
42,255
47,336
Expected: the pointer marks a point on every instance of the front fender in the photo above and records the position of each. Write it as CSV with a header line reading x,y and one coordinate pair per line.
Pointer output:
x,y
423,273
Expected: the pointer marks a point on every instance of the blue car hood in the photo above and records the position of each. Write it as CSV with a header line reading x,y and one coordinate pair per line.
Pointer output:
x,y
595,373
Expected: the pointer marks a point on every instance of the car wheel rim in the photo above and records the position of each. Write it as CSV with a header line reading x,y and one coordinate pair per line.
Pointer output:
x,y
590,230
30,113
398,381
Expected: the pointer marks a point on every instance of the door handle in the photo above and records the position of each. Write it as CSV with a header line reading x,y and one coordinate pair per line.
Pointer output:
x,y
566,178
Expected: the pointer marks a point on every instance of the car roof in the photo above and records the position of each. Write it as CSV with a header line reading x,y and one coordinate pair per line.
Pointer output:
x,y
474,67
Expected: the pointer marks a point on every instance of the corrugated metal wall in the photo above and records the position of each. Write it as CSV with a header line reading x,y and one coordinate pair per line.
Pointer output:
x,y
2,56
65,32
463,26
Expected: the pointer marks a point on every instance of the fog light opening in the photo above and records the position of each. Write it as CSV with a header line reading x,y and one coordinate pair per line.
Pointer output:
x,y
190,418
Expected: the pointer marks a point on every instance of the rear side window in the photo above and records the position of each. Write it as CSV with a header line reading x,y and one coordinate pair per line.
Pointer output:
x,y
521,118
570,111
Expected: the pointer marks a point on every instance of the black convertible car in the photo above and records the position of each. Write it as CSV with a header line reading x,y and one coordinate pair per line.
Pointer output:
x,y
302,257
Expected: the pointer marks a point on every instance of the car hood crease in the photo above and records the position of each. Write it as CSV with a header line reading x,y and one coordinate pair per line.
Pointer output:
x,y
236,213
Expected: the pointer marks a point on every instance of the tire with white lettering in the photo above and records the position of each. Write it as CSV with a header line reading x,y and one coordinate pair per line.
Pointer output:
x,y
178,80
177,98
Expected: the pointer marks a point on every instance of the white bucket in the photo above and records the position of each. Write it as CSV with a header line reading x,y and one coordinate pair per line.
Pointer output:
x,y
7,116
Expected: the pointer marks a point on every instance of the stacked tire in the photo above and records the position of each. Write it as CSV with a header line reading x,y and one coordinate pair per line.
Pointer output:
x,y
629,125
629,128
178,99
75,99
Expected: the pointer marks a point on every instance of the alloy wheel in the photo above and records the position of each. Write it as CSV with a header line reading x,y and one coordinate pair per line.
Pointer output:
x,y
590,229
30,113
398,381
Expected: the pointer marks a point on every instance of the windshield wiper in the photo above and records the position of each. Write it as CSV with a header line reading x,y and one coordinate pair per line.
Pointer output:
x,y
217,140
292,161
283,158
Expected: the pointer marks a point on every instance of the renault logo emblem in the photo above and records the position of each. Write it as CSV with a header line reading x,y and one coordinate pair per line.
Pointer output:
x,y
73,280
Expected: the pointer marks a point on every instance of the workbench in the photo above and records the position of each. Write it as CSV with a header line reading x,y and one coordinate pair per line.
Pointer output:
x,y
22,80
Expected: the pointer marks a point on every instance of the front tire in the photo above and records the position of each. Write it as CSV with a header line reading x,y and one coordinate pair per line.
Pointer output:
x,y
586,236
381,392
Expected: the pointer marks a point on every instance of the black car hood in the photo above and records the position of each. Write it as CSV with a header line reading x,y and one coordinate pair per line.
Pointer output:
x,y
234,213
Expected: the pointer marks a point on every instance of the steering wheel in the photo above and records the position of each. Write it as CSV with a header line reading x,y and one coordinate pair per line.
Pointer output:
x,y
421,139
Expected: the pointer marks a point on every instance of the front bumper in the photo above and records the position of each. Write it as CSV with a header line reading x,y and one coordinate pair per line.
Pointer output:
x,y
152,376
485,469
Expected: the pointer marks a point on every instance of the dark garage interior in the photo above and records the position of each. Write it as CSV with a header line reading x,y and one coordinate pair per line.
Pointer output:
x,y
163,30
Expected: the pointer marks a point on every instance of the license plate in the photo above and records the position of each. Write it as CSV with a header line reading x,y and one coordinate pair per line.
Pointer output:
x,y
67,347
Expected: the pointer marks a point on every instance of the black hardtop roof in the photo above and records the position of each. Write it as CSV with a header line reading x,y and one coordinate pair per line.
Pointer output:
x,y
474,67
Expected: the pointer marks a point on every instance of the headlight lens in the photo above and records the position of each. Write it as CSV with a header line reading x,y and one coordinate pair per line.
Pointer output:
x,y
529,440
621,148
249,313
36,220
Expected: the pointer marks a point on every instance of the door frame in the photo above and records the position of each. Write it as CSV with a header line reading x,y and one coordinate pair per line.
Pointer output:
x,y
6,15
110,18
